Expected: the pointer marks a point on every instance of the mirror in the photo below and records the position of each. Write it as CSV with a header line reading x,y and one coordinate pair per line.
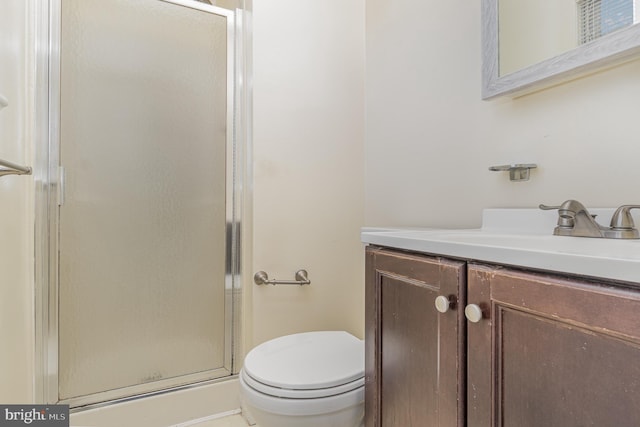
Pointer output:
x,y
530,44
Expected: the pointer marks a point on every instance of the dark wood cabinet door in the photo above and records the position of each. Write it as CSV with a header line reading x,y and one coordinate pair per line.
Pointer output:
x,y
552,352
414,354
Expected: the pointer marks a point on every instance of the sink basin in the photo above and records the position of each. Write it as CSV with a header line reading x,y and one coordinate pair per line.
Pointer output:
x,y
534,247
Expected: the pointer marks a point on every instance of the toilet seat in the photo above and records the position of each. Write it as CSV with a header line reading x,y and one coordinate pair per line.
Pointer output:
x,y
306,366
300,394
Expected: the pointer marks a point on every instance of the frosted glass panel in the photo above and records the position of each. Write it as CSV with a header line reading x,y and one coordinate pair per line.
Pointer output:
x,y
143,226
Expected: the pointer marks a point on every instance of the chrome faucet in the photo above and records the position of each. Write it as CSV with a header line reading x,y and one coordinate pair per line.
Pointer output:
x,y
575,220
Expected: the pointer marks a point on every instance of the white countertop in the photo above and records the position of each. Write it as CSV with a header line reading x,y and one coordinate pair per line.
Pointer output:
x,y
524,238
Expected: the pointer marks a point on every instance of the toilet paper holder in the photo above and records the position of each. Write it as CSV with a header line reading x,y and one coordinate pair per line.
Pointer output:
x,y
301,278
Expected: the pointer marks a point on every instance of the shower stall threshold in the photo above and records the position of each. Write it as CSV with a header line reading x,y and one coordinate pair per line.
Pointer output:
x,y
165,409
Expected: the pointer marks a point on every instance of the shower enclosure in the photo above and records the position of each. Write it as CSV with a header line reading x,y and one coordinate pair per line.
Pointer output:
x,y
137,193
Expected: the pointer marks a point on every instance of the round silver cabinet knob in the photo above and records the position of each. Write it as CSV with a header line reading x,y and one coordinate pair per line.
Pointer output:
x,y
473,313
442,304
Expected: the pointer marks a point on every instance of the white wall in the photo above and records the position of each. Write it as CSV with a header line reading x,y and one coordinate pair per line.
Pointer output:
x,y
16,211
430,139
308,150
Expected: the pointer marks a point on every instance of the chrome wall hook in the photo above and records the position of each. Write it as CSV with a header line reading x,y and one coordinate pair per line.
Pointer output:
x,y
301,278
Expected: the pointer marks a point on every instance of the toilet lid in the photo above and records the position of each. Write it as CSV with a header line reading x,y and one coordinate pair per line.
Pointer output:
x,y
310,360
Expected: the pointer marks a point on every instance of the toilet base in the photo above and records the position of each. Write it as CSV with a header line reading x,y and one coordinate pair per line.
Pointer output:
x,y
343,418
344,410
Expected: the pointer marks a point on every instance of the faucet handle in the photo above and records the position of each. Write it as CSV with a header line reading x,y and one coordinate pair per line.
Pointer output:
x,y
622,219
548,208
568,209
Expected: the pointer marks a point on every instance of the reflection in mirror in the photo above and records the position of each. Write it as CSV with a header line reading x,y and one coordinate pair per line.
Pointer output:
x,y
533,31
600,17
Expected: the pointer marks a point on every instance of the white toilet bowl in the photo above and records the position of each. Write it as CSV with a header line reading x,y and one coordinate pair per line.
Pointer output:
x,y
312,379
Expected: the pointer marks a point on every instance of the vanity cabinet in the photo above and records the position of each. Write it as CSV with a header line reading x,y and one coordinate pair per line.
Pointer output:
x,y
413,371
544,350
551,351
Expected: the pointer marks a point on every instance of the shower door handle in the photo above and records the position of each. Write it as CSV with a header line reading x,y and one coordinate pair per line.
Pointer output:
x,y
9,168
61,185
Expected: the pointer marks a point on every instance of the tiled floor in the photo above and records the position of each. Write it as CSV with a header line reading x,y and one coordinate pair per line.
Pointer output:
x,y
232,421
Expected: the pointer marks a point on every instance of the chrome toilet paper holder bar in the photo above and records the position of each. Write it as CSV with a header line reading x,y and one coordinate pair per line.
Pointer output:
x,y
301,278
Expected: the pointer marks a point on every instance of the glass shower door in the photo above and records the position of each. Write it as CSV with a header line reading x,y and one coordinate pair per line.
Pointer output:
x,y
146,171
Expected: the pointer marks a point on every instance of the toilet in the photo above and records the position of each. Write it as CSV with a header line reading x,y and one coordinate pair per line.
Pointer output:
x,y
311,379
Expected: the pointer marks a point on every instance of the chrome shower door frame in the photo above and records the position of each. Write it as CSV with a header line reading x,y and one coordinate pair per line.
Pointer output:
x,y
47,26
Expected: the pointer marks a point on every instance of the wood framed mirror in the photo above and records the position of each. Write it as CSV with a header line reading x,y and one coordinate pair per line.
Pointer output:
x,y
532,44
